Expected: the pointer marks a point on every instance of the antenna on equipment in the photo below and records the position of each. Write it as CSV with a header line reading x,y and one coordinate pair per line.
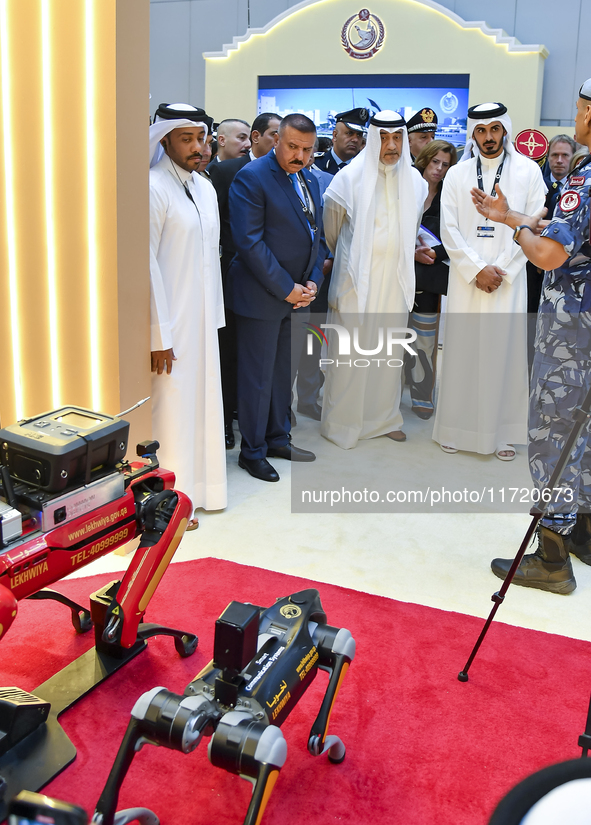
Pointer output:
x,y
135,406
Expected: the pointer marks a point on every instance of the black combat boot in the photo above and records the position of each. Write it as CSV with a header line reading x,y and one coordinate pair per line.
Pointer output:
x,y
580,538
549,568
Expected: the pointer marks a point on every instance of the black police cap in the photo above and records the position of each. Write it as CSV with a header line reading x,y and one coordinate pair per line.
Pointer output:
x,y
355,119
425,120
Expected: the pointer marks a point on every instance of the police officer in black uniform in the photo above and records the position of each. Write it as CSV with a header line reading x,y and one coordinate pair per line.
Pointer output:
x,y
421,130
347,140
561,373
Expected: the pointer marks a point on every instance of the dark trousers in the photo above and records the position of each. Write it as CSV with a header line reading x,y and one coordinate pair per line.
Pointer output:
x,y
264,383
228,366
310,378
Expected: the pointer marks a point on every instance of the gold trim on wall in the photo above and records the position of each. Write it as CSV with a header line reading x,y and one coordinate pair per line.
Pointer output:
x,y
60,186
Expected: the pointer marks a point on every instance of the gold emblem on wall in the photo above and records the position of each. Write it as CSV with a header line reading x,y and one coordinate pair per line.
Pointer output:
x,y
363,35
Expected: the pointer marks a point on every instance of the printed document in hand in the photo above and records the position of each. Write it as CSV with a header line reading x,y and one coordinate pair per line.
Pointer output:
x,y
426,238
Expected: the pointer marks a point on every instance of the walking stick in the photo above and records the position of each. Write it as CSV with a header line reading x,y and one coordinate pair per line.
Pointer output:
x,y
581,416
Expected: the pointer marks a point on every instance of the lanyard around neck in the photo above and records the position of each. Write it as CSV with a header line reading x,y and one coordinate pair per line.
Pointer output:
x,y
497,176
306,207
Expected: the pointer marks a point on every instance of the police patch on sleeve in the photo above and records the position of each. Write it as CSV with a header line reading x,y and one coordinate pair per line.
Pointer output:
x,y
569,201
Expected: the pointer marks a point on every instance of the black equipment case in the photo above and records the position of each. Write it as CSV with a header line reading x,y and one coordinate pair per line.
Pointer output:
x,y
63,447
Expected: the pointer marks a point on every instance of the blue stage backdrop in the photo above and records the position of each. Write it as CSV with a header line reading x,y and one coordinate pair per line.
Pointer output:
x,y
321,97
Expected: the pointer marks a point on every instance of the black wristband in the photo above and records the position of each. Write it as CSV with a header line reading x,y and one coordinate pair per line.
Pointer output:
x,y
517,232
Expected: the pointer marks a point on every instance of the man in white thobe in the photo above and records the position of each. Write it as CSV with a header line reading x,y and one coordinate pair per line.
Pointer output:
x,y
186,309
372,212
483,395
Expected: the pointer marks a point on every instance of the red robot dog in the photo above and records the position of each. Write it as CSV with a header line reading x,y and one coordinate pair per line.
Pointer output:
x,y
68,497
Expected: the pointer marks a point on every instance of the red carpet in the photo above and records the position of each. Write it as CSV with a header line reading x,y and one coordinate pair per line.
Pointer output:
x,y
422,748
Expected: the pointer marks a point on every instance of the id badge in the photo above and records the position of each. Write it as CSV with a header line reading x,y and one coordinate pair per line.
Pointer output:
x,y
485,231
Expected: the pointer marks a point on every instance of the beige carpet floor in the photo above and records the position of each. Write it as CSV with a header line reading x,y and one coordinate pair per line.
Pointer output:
x,y
440,559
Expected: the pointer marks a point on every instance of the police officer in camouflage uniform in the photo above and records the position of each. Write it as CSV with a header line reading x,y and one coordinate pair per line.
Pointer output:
x,y
561,373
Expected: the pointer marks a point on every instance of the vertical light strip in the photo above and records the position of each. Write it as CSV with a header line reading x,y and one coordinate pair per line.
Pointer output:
x,y
91,185
50,231
10,208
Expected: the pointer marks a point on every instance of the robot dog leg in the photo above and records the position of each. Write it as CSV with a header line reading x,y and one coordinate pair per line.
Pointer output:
x,y
254,751
336,650
159,717
164,516
264,661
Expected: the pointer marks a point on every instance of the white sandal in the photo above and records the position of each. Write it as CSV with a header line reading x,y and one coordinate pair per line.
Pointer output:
x,y
505,448
447,448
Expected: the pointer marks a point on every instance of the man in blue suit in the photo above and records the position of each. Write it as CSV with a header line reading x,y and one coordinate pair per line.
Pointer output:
x,y
560,153
276,222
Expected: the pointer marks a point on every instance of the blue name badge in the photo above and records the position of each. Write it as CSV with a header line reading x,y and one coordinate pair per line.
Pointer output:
x,y
485,231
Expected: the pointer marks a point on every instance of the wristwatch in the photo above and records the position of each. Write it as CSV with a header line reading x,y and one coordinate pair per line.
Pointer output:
x,y
517,232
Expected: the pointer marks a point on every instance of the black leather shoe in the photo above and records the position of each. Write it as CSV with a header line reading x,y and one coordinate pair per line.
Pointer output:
x,y
291,453
230,440
311,410
259,468
422,412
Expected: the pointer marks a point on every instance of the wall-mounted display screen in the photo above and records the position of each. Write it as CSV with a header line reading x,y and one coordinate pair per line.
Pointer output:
x,y
321,97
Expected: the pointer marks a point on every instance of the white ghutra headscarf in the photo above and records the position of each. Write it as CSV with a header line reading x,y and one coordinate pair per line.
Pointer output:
x,y
483,115
354,188
162,126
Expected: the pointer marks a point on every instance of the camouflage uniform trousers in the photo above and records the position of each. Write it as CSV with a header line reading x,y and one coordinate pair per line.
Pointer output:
x,y
557,388
561,373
